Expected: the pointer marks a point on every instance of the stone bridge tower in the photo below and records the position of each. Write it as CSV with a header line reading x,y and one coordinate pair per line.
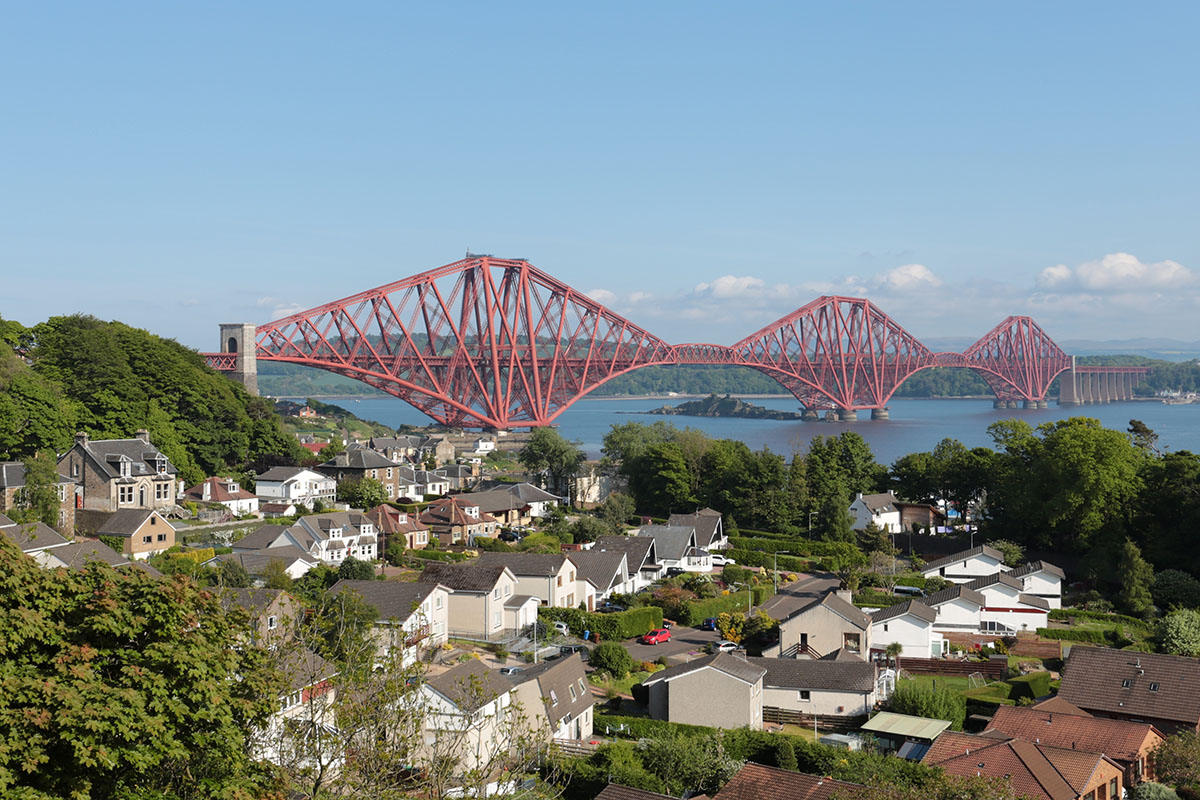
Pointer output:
x,y
239,337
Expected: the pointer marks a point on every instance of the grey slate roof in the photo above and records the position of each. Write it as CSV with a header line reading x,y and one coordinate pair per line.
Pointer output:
x,y
31,536
260,538
991,580
841,654
542,565
739,668
463,577
126,522
954,593
877,503
109,453
850,612
705,526
914,607
1093,680
5,521
394,600
356,459
1038,566
256,561
76,554
559,681
12,475
601,568
833,676
636,549
282,473
1034,600
670,541
470,685
978,550
303,668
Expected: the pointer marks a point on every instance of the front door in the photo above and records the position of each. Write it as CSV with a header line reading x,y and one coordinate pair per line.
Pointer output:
x,y
804,641
142,497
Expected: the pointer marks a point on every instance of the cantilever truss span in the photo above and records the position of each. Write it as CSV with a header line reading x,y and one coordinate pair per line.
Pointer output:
x,y
490,342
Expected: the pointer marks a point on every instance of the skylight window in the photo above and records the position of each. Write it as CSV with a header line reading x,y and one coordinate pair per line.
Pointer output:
x,y
1154,687
1125,684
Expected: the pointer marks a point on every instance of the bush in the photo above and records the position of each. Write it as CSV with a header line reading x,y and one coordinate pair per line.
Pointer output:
x,y
644,727
620,625
1109,637
1175,588
612,658
696,611
1033,686
926,701
1152,791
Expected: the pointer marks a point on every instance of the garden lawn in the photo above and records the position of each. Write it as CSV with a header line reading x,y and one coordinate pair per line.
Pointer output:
x,y
624,685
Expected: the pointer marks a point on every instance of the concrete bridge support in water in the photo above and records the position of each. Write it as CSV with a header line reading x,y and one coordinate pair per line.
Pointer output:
x,y
1088,385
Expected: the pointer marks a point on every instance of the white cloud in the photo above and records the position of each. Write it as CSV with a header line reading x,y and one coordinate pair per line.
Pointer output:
x,y
732,286
602,296
907,278
1117,272
1054,276
281,311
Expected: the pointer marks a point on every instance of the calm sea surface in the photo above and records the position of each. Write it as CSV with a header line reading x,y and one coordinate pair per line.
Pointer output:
x,y
915,425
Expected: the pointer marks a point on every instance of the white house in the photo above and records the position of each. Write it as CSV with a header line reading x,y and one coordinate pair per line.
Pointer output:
x,y
959,609
552,578
331,537
834,688
556,699
1041,579
641,559
710,530
295,485
606,570
877,508
911,624
964,567
484,445
411,616
1007,609
467,717
676,548
225,491
296,562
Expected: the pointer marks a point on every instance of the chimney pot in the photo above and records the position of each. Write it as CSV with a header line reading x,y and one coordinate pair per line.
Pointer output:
x,y
144,435
81,437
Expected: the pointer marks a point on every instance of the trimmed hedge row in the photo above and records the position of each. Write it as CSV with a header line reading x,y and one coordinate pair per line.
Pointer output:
x,y
1033,686
758,558
1091,636
1098,616
611,627
437,555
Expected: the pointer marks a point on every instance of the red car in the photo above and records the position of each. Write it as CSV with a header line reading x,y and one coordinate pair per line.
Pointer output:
x,y
657,636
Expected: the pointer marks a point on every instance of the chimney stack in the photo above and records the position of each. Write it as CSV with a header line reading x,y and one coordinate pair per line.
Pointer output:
x,y
144,435
81,438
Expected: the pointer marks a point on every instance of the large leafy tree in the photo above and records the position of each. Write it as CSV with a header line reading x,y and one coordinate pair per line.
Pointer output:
x,y
120,685
548,454
925,701
660,480
1179,633
364,493
1177,760
38,499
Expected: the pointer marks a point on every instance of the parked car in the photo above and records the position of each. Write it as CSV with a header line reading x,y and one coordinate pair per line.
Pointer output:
x,y
657,636
611,608
709,624
508,536
510,670
675,571
568,649
719,560
726,646
908,591
563,628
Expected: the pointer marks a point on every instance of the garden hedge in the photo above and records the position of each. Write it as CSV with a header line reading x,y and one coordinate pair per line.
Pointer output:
x,y
1033,686
615,626
758,558
1108,636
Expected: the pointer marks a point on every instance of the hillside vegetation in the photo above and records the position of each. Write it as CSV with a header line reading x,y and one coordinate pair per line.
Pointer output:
x,y
80,373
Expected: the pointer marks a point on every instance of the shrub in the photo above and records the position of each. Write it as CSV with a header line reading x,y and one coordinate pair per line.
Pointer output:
x,y
1152,791
620,625
1033,686
612,658
645,728
926,701
1173,587
696,611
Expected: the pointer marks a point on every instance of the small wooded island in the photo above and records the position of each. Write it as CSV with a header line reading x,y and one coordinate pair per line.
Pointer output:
x,y
727,406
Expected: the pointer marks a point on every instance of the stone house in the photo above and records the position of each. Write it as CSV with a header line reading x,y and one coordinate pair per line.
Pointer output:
x,y
359,462
143,532
456,520
273,613
731,688
12,484
116,474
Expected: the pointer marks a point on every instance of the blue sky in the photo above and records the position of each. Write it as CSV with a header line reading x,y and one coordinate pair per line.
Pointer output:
x,y
701,167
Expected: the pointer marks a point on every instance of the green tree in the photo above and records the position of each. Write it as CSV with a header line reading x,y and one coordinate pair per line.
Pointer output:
x,y
690,763
588,529
1152,791
275,575
121,685
1143,436
361,493
342,629
232,575
1179,633
915,478
1014,554
611,657
616,511
1177,760
37,501
624,443
660,480
352,569
1175,588
1137,578
925,701
549,455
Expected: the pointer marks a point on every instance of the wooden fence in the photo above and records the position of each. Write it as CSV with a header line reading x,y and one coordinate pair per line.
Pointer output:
x,y
571,747
993,669
825,722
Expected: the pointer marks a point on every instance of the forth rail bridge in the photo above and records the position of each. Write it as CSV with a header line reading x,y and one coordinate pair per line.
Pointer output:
x,y
497,343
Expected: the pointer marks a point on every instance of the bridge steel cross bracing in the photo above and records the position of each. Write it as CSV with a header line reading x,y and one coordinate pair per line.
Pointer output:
x,y
491,342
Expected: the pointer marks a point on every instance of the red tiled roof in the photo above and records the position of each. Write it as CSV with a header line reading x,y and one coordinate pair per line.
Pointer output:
x,y
1115,738
449,511
387,520
316,447
756,782
217,493
1037,771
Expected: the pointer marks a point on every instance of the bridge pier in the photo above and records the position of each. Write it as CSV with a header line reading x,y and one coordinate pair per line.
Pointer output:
x,y
879,413
810,415
239,337
847,414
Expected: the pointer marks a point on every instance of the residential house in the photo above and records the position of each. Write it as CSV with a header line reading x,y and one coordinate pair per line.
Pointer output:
x,y
829,688
641,558
825,625
77,554
468,717
437,449
296,562
1035,770
552,578
911,625
484,601
331,537
879,509
273,613
606,570
538,500
1007,609
305,706
710,531
12,486
615,791
516,504
675,546
115,474
226,492
426,482
732,689
394,522
358,463
457,520
458,477
966,566
1127,743
397,449
484,445
959,609
1159,689
31,537
919,516
295,485
143,532
756,782
1041,579
411,616
556,698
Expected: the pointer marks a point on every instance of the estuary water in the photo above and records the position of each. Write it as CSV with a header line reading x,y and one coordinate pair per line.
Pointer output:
x,y
915,424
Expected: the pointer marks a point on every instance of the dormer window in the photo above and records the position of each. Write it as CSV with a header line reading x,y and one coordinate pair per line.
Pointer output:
x,y
335,533
160,464
126,469
553,698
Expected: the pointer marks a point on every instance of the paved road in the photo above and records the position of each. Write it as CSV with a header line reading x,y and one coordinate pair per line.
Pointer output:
x,y
795,596
685,642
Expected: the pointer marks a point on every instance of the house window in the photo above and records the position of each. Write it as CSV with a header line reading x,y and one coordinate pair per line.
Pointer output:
x,y
805,695
162,537
124,494
1125,684
572,578
62,492
1112,788
574,696
437,602
885,627
851,641
146,540
560,580
507,591
126,469
1154,687
272,621
496,619
162,491
496,593
553,698
74,470
1101,792
389,473
581,686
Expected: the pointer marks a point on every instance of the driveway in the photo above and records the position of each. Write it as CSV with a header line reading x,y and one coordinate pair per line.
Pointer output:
x,y
794,596
685,642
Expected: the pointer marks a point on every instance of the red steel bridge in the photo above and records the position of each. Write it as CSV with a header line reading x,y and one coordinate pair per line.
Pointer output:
x,y
497,343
